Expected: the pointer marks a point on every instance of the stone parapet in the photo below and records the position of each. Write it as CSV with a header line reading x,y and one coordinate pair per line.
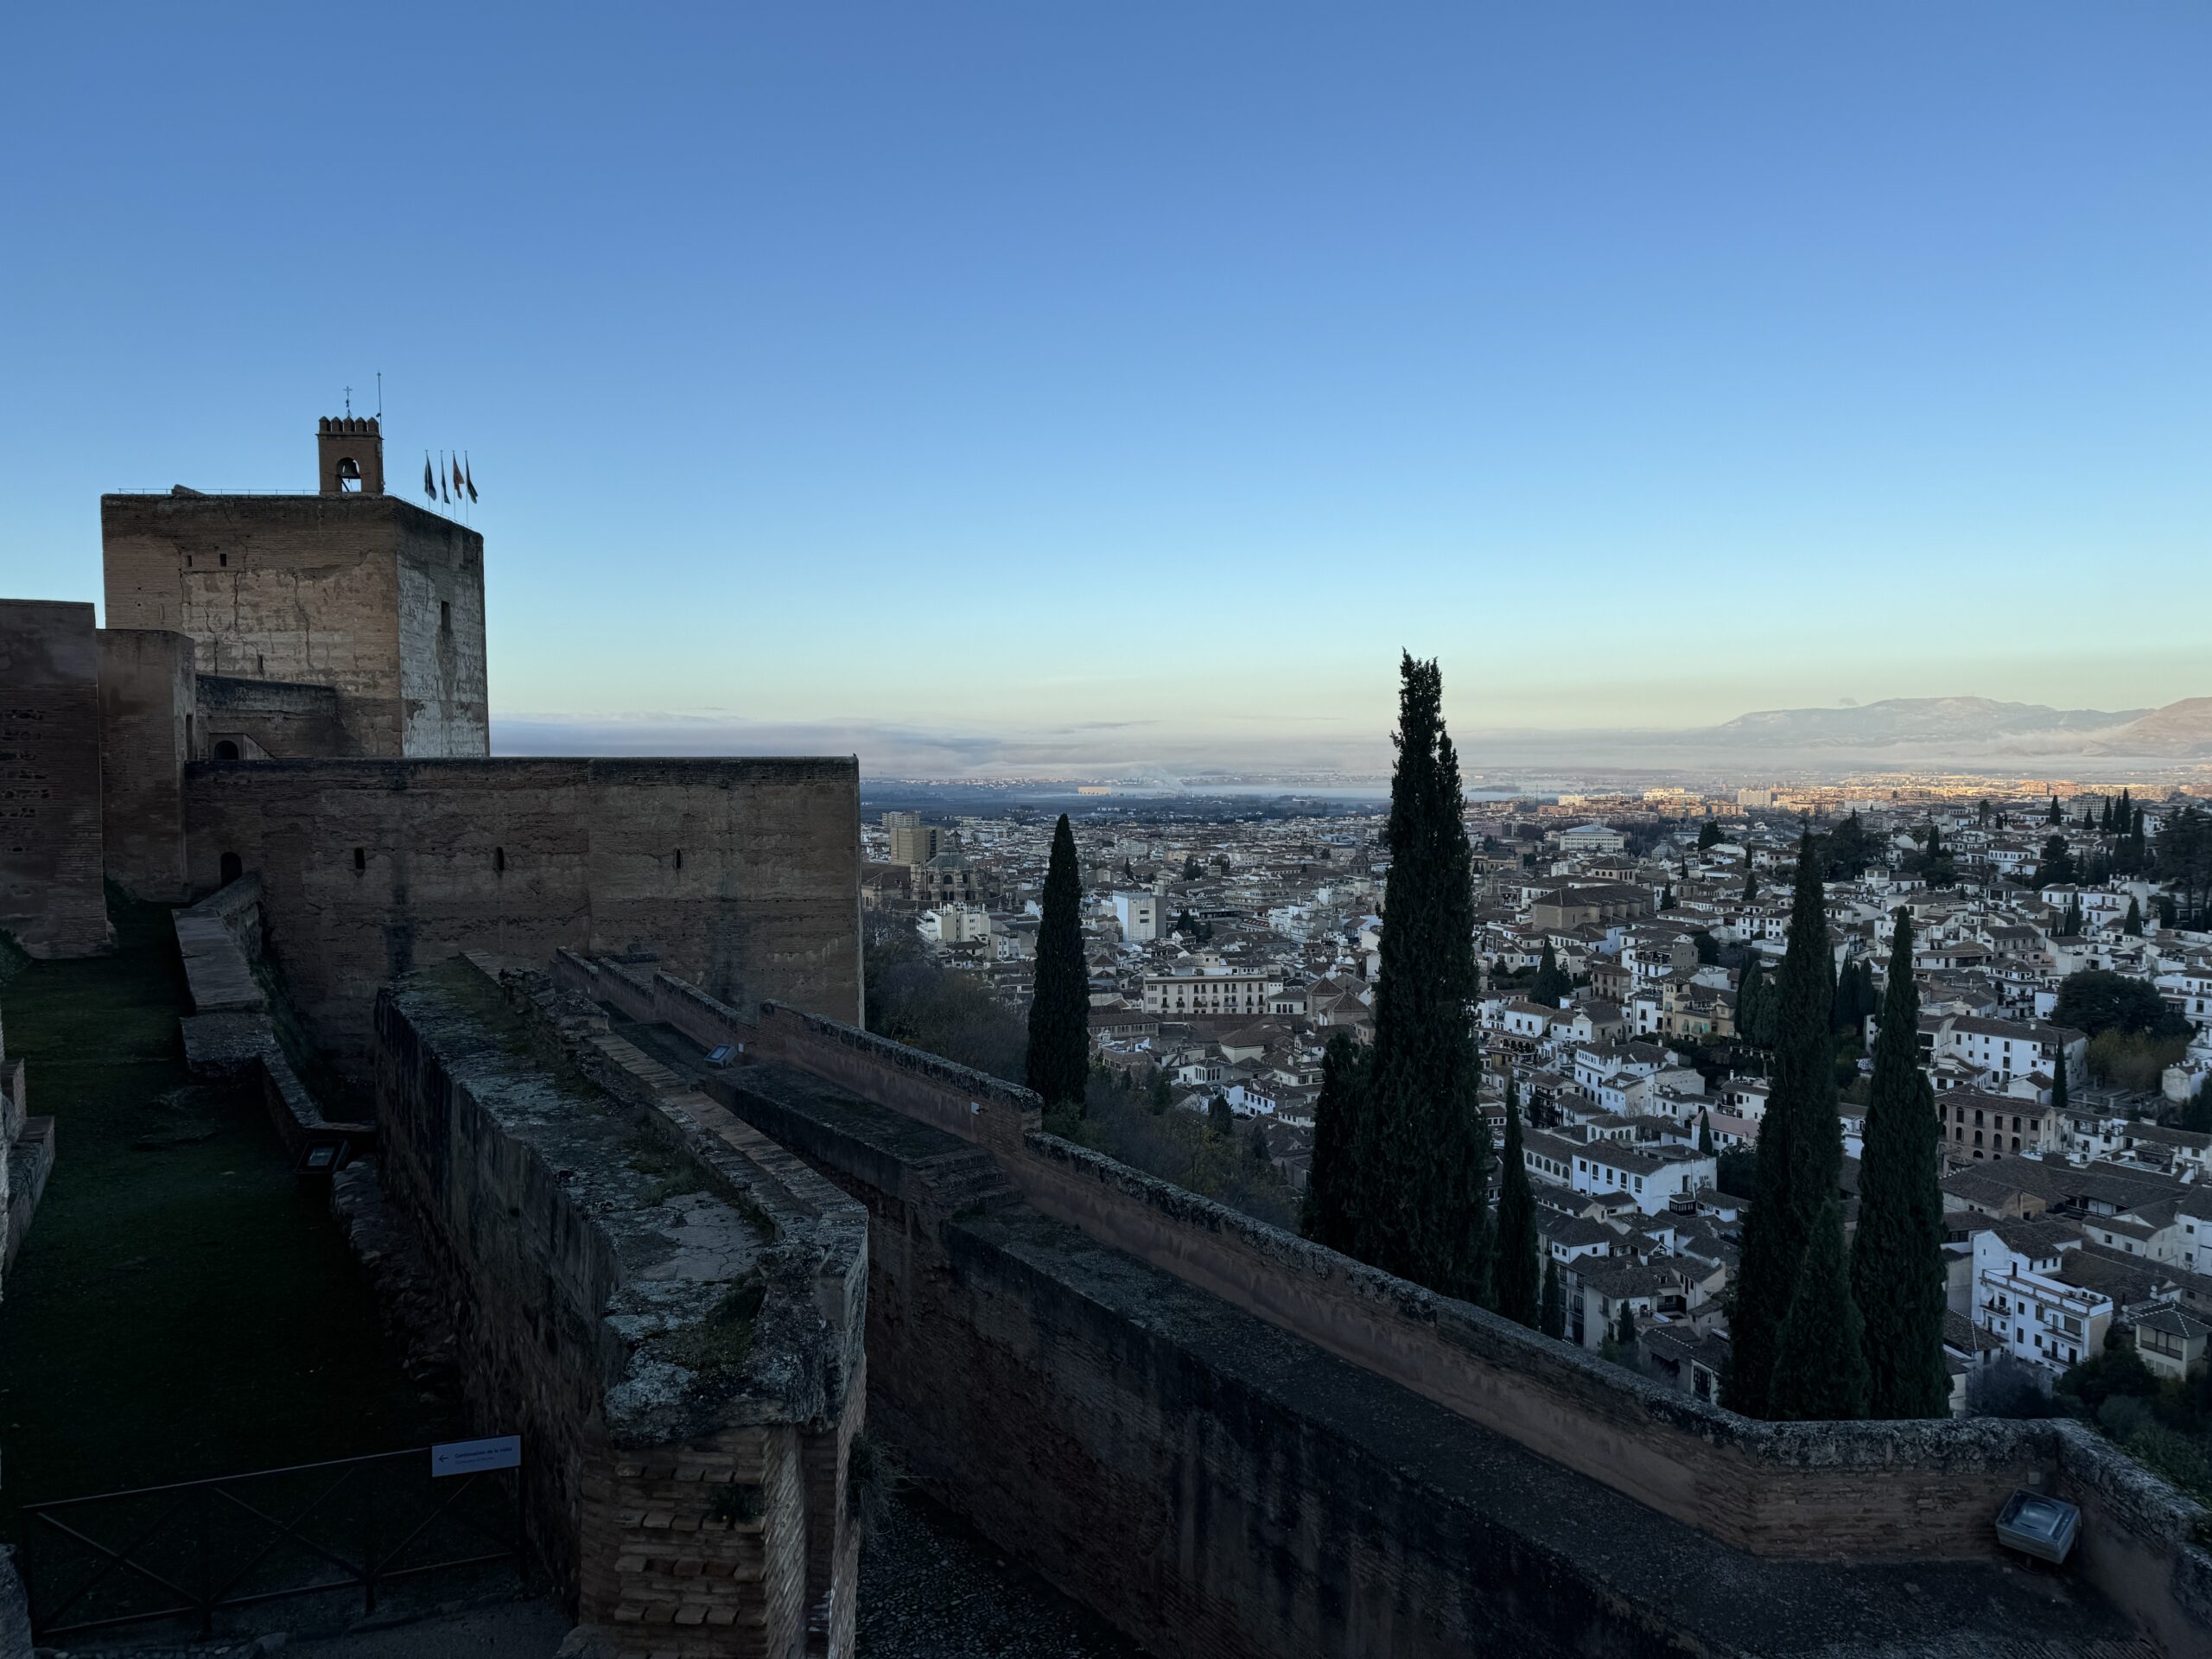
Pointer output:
x,y
670,1309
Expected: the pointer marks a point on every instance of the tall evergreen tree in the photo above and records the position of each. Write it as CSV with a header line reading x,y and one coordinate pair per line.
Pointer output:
x,y
1325,1215
1552,1321
2072,927
1820,1365
1897,1256
2054,817
1519,1288
2059,1091
1422,1195
2197,1115
1800,1147
2133,925
1059,1000
1750,886
1551,983
1755,1006
1703,1134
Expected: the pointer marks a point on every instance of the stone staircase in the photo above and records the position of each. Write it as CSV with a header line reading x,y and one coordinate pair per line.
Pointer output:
x,y
969,1179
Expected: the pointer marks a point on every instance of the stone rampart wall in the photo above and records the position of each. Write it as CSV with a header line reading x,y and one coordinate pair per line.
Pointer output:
x,y
742,874
688,1511
146,734
51,896
1865,1492
288,721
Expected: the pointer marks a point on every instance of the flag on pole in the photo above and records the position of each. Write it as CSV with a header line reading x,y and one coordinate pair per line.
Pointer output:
x,y
468,478
429,488
442,496
456,480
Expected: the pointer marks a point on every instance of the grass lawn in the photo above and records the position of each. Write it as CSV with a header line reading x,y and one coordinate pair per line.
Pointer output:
x,y
184,1305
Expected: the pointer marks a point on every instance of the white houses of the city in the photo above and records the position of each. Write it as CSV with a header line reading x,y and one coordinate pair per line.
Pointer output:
x,y
2019,1299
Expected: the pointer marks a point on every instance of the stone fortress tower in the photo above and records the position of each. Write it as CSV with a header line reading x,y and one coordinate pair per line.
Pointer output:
x,y
345,622
293,686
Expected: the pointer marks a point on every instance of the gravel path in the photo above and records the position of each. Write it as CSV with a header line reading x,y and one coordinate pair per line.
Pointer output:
x,y
932,1587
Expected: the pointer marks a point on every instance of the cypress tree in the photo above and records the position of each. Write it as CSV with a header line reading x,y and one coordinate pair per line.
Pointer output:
x,y
1755,1007
1325,1215
1221,1121
1519,1289
1703,1134
1750,886
1553,1320
2134,925
2058,1090
2197,1115
1551,983
1800,1147
2054,817
1059,1000
1897,1256
1820,1367
1422,1195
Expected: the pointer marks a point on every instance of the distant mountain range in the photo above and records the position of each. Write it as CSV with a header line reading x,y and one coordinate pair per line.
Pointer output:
x,y
1969,725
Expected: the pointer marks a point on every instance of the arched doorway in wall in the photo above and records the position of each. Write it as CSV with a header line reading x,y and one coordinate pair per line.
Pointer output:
x,y
232,866
226,750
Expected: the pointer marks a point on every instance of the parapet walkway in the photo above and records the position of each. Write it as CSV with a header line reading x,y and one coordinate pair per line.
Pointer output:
x,y
230,1032
1532,1551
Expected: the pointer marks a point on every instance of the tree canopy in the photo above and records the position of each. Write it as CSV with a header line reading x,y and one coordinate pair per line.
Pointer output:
x,y
2096,1001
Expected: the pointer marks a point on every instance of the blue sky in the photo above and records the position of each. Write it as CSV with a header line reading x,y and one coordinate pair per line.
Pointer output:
x,y
1135,379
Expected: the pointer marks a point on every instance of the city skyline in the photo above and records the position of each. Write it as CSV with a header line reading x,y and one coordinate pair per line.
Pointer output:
x,y
1648,372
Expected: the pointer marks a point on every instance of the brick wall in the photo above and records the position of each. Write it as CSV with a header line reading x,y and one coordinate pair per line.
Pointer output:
x,y
51,897
146,697
742,874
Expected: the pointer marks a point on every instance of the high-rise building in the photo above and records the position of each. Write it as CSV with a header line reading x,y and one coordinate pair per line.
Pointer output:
x,y
912,842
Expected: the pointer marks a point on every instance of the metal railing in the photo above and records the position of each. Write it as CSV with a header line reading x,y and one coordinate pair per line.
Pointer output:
x,y
193,1549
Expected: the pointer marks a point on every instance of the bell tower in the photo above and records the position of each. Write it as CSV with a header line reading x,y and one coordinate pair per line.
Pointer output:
x,y
350,455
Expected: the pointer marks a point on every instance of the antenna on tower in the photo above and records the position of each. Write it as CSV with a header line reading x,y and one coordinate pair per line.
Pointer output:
x,y
379,397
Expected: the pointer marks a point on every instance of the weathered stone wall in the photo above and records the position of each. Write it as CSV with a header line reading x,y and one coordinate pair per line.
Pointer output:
x,y
743,875
147,728
1846,1493
672,1325
1215,1484
288,721
441,663
337,590
51,897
